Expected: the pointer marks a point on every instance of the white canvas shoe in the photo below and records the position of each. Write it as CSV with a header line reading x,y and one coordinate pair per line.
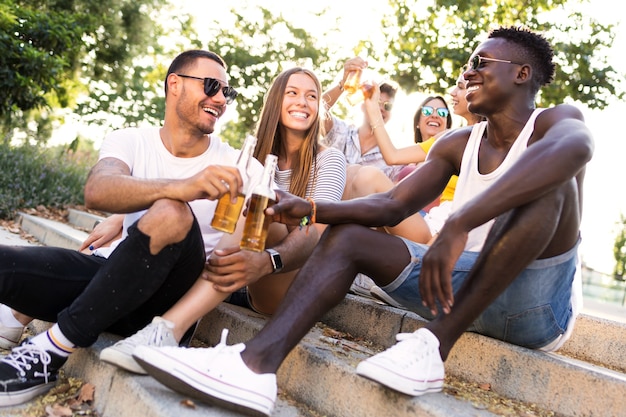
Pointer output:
x,y
10,336
412,366
215,376
361,285
157,333
381,295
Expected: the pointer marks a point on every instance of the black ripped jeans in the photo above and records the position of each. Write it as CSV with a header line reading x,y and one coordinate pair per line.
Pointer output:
x,y
87,295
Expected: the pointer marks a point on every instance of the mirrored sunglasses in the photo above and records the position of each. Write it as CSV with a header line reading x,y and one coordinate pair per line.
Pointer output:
x,y
387,105
441,111
212,86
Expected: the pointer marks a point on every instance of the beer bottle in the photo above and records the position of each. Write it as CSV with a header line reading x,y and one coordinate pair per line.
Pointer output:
x,y
227,213
263,196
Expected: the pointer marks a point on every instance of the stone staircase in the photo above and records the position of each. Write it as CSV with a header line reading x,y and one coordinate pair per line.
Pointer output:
x,y
485,377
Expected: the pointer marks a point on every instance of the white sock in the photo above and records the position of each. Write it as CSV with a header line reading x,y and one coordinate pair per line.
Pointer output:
x,y
7,318
54,341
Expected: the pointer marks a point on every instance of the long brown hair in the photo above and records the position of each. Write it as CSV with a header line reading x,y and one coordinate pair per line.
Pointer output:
x,y
270,131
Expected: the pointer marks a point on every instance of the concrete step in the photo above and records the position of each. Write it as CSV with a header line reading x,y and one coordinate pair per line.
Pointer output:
x,y
326,359
567,382
586,377
52,233
83,220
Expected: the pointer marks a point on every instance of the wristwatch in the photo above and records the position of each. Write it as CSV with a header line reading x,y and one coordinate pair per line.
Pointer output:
x,y
277,262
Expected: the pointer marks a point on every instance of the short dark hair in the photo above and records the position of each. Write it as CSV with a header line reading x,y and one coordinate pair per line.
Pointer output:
x,y
188,58
390,88
531,48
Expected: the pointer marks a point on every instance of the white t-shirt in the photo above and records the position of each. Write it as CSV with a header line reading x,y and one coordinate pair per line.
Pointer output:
x,y
143,151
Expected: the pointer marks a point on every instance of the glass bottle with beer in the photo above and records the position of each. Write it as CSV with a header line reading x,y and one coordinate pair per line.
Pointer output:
x,y
263,196
227,212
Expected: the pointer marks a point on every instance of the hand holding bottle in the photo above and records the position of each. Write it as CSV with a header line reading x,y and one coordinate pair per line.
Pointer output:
x,y
263,196
227,211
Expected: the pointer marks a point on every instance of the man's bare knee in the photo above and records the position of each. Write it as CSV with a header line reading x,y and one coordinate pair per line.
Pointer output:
x,y
166,222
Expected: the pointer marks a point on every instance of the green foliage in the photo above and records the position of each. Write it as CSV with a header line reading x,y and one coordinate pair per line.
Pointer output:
x,y
429,41
619,249
32,176
50,52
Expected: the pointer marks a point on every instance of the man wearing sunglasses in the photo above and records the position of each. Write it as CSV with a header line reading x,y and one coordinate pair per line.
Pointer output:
x,y
504,264
358,143
164,182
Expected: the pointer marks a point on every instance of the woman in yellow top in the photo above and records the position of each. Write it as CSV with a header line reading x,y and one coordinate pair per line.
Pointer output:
x,y
429,123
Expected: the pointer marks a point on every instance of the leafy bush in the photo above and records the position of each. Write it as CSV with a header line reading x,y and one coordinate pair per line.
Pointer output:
x,y
32,176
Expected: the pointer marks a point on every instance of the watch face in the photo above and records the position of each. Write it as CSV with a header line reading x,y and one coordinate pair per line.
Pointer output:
x,y
277,262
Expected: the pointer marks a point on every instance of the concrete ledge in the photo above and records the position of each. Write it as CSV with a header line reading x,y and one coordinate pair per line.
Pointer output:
x,y
598,341
51,233
83,220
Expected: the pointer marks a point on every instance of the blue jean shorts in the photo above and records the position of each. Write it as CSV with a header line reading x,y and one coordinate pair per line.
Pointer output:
x,y
532,312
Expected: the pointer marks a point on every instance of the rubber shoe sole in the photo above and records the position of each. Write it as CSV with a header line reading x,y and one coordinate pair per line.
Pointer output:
x,y
380,295
20,397
122,360
397,382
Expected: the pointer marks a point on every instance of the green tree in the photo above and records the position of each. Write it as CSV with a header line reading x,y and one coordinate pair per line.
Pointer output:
x,y
619,249
429,41
50,52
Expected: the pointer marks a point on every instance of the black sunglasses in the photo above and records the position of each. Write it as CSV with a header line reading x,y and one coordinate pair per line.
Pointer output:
x,y
441,111
477,62
212,86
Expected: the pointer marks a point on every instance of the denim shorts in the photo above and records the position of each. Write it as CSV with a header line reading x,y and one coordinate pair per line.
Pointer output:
x,y
532,312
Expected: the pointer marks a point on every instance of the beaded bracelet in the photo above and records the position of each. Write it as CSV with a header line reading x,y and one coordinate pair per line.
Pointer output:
x,y
310,219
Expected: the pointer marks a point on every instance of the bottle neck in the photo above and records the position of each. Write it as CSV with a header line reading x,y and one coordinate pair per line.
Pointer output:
x,y
265,186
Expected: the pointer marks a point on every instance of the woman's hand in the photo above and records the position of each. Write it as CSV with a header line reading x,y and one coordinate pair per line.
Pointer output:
x,y
103,234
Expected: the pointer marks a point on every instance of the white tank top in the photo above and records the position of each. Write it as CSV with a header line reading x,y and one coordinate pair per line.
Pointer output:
x,y
471,182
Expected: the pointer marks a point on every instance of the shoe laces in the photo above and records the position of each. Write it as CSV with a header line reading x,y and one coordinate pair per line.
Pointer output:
x,y
222,344
411,348
223,348
23,357
151,335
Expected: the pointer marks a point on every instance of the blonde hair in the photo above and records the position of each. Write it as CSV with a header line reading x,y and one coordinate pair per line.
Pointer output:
x,y
270,132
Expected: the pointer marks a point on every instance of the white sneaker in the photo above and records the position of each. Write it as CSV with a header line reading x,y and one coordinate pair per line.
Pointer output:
x,y
10,336
366,287
412,366
215,375
381,295
361,285
158,333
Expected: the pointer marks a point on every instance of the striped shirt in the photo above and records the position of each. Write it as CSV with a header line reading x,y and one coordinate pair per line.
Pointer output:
x,y
327,180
